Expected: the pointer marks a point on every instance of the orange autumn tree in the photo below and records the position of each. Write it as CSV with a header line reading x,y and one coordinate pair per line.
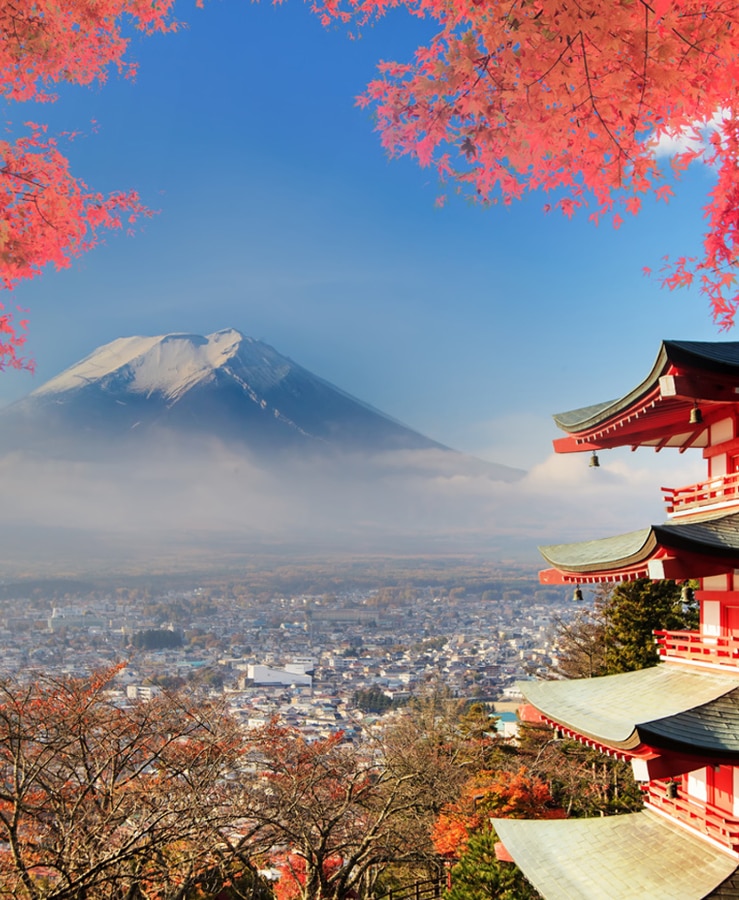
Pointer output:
x,y
47,215
505,795
463,833
331,813
293,876
574,98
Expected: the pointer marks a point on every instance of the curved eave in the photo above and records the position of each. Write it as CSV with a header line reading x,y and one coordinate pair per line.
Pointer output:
x,y
673,550
615,858
588,417
660,424
662,707
622,551
656,412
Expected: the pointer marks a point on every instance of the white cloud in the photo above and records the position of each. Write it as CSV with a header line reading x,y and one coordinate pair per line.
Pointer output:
x,y
696,137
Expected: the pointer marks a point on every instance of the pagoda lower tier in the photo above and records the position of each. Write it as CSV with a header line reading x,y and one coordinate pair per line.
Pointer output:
x,y
666,720
642,855
676,723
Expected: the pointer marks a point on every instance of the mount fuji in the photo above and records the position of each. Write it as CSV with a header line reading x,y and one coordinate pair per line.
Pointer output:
x,y
224,385
184,441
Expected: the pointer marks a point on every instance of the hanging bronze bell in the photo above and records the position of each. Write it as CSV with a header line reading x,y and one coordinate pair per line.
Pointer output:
x,y
696,416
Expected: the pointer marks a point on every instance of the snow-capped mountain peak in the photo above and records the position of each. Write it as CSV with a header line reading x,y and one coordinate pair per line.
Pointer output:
x,y
224,385
168,365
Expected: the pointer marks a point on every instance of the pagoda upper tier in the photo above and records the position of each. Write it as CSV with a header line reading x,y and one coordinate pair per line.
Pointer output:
x,y
692,386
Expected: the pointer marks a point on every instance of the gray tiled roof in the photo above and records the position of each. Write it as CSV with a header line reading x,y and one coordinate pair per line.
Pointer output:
x,y
640,855
586,556
716,356
717,535
713,726
663,705
572,419
712,356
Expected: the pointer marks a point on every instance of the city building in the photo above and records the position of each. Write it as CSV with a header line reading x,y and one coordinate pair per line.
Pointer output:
x,y
677,723
266,675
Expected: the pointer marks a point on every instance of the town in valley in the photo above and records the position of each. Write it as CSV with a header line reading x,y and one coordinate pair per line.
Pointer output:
x,y
323,661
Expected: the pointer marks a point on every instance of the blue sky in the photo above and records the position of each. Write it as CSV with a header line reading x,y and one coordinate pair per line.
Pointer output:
x,y
281,216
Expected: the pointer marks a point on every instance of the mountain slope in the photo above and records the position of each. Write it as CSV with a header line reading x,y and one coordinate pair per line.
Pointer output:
x,y
224,385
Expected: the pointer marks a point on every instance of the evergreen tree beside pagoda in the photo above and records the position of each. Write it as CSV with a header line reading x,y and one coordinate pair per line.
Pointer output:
x,y
617,634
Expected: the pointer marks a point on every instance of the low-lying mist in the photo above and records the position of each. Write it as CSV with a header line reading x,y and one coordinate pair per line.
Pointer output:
x,y
178,502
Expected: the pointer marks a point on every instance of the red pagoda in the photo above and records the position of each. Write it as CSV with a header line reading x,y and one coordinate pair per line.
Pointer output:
x,y
677,723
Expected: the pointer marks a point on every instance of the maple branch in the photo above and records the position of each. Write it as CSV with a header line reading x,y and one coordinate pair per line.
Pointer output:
x,y
21,176
594,105
556,62
691,45
644,71
484,61
34,198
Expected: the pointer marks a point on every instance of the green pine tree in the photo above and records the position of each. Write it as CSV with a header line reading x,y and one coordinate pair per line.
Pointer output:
x,y
632,611
479,875
617,635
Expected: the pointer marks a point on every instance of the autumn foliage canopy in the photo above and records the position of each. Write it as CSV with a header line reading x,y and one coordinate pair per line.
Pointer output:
x,y
47,215
575,99
102,800
507,795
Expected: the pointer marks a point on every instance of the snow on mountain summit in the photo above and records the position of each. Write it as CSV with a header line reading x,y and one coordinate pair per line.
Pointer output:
x,y
172,364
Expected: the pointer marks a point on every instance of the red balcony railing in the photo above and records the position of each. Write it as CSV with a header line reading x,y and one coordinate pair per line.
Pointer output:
x,y
703,817
693,645
720,491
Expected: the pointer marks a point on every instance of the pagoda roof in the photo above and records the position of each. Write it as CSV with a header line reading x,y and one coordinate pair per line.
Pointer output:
x,y
665,707
615,858
656,412
704,543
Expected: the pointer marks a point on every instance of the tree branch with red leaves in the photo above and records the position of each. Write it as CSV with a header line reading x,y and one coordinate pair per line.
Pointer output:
x,y
47,215
575,100
325,810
